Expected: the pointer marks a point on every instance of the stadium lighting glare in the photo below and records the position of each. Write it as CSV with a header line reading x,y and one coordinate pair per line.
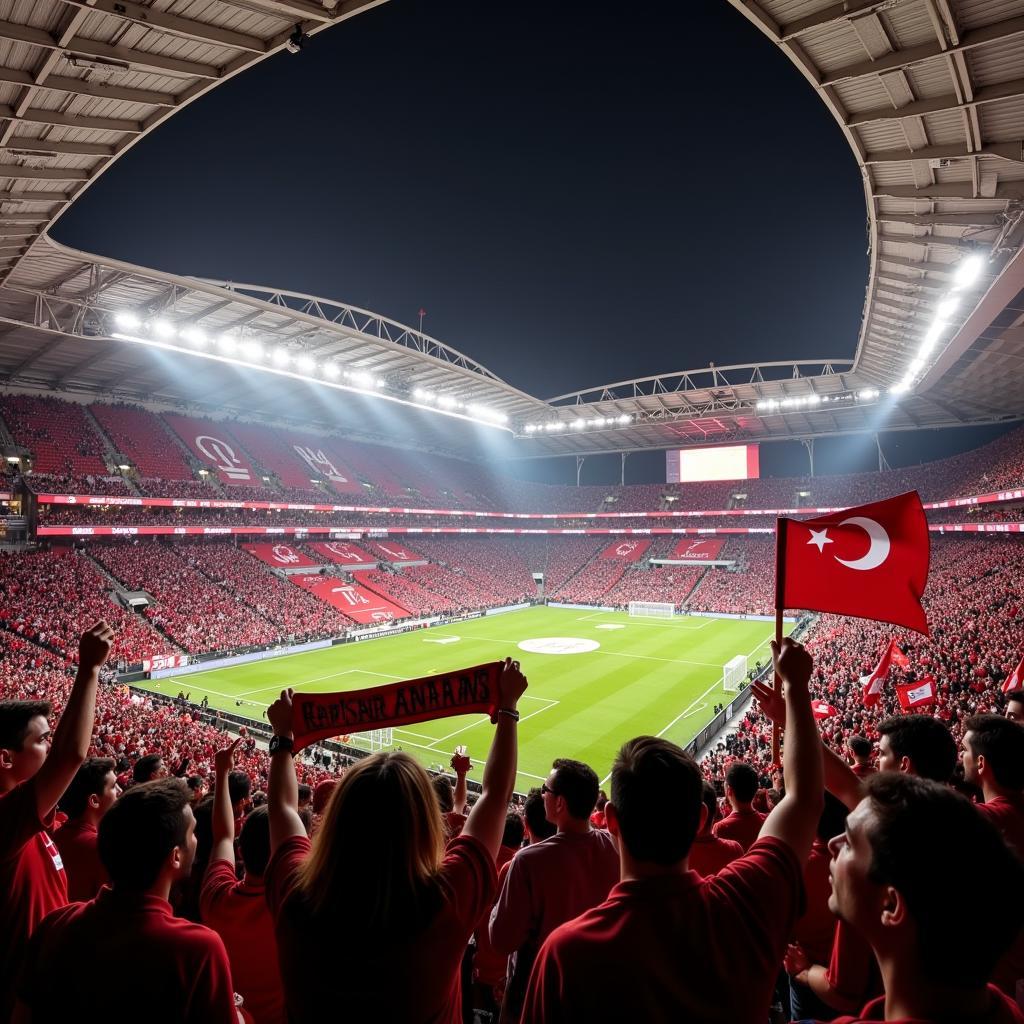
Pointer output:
x,y
127,320
332,371
253,351
123,467
560,425
814,399
194,336
900,387
915,367
306,364
424,396
362,378
624,419
867,394
578,424
947,308
162,328
968,271
447,402
530,428
281,356
227,344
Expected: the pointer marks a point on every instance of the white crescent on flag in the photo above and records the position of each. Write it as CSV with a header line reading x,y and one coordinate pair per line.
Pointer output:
x,y
878,549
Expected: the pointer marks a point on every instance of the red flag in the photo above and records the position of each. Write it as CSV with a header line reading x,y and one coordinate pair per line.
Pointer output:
x,y
870,562
873,683
1015,680
822,710
916,695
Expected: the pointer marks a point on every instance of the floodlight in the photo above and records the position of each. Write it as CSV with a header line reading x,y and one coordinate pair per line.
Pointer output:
x,y
128,320
447,402
901,387
578,424
624,418
332,371
281,356
915,367
946,308
123,467
194,336
306,363
968,271
252,350
867,394
162,328
227,344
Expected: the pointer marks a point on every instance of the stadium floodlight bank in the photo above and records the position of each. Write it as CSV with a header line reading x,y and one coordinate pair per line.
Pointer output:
x,y
734,674
651,609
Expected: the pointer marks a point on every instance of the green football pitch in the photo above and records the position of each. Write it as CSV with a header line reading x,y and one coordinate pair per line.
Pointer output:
x,y
596,679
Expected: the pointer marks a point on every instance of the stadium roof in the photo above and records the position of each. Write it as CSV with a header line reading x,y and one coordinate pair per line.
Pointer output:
x,y
929,94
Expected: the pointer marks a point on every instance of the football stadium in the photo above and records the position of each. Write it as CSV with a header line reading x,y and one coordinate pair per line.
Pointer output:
x,y
345,668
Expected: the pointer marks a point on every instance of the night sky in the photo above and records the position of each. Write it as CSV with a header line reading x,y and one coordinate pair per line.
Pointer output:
x,y
575,197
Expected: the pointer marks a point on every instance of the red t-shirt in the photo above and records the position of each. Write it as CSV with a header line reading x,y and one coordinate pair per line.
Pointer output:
x,y
816,929
548,884
709,854
742,827
853,970
489,965
159,968
333,968
78,842
1007,814
862,771
1002,1011
32,882
238,913
674,948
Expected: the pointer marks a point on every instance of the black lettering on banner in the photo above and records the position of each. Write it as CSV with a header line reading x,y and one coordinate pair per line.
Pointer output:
x,y
379,711
309,715
401,704
419,702
449,693
432,696
483,689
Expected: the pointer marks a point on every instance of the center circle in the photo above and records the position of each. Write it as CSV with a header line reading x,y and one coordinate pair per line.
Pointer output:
x,y
558,645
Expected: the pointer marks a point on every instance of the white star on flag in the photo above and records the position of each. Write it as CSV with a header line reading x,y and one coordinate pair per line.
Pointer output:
x,y
819,538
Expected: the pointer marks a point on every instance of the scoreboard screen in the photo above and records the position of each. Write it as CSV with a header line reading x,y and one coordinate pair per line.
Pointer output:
x,y
731,462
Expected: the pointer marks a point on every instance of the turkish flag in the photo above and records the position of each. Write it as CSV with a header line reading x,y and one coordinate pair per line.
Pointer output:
x,y
870,562
916,695
822,710
872,684
1015,680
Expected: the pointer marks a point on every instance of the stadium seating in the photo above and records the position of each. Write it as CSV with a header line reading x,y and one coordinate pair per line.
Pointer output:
x,y
399,588
61,438
140,436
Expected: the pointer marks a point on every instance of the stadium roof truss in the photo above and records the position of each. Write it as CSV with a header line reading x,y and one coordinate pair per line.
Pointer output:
x,y
928,93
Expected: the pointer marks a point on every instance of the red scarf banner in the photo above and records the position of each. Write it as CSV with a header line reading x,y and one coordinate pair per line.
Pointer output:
x,y
466,691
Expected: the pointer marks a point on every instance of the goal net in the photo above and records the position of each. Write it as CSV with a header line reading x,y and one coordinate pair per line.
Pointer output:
x,y
734,673
374,740
652,609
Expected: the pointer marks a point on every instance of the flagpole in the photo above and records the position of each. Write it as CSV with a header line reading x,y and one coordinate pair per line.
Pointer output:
x,y
781,530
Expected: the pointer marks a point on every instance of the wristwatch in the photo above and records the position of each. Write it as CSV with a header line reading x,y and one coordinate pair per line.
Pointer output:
x,y
285,743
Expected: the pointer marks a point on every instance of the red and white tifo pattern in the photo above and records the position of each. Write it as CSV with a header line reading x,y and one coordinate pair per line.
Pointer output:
x,y
355,601
343,552
281,556
698,550
626,550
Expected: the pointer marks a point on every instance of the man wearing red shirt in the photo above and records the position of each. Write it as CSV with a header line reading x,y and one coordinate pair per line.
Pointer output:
x,y
744,824
91,794
237,910
885,876
709,854
553,881
36,768
860,750
168,970
668,946
993,759
1015,706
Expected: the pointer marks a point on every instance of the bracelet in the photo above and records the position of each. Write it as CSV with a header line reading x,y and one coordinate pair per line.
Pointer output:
x,y
511,712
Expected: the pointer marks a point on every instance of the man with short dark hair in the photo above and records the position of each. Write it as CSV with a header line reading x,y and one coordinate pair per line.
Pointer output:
x,y
744,824
885,881
91,794
167,969
553,881
668,945
237,910
993,759
709,854
1015,706
860,750
535,821
36,767
149,767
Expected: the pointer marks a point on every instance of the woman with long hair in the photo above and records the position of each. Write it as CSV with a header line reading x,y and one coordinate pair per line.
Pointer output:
x,y
373,915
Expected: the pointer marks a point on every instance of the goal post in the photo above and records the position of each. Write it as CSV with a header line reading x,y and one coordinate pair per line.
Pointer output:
x,y
374,740
734,674
651,609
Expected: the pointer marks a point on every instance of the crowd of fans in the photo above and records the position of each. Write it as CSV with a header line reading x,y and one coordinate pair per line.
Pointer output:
x,y
398,587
